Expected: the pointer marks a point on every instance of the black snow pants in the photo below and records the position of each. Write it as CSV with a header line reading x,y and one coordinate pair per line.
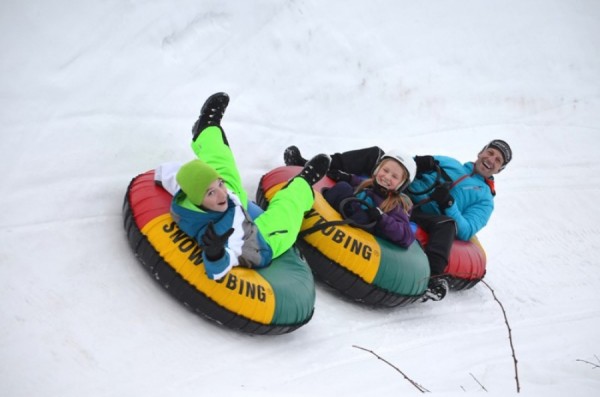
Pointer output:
x,y
358,162
442,231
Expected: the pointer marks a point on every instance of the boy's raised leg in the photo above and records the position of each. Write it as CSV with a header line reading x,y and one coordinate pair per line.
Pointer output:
x,y
211,114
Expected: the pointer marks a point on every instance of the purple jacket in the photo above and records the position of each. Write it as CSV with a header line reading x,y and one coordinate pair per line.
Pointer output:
x,y
393,226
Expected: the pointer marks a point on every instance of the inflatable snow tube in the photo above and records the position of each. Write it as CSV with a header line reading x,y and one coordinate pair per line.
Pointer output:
x,y
354,262
467,263
274,300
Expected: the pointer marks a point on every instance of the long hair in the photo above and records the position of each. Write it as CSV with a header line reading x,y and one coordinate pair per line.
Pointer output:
x,y
392,200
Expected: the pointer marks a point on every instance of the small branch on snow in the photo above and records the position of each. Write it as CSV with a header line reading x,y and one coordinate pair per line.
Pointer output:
x,y
479,383
594,365
509,334
415,384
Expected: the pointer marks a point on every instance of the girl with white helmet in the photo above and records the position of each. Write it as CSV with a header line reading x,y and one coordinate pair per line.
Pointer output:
x,y
380,207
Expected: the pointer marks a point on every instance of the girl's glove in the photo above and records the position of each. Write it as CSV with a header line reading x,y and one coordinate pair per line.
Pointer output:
x,y
375,213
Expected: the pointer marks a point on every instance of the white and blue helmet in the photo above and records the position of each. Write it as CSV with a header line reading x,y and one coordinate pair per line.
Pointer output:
x,y
405,161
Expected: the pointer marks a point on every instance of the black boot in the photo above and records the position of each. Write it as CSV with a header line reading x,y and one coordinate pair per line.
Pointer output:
x,y
437,289
315,169
292,156
211,113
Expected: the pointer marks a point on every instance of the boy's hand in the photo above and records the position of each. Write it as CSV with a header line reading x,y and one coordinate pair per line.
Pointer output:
x,y
214,244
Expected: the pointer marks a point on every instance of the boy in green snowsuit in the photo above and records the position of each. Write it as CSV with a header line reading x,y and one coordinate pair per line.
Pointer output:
x,y
212,206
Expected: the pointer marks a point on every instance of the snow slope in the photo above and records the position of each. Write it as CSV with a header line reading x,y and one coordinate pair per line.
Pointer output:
x,y
94,92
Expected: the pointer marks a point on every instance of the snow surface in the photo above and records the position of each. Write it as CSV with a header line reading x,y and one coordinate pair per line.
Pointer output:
x,y
93,93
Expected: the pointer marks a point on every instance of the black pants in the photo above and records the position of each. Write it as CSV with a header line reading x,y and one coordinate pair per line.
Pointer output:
x,y
442,231
358,162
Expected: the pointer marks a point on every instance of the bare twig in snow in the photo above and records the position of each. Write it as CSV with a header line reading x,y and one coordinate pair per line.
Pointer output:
x,y
479,383
594,365
415,384
509,334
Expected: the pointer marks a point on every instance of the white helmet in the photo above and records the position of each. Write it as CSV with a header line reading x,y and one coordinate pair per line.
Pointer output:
x,y
405,161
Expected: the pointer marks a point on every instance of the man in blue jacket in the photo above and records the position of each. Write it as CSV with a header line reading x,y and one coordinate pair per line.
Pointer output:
x,y
452,199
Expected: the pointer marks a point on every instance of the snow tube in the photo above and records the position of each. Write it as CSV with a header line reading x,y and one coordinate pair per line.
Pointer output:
x,y
354,262
274,300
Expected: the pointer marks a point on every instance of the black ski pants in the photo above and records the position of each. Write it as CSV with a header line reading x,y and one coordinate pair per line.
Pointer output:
x,y
442,231
358,162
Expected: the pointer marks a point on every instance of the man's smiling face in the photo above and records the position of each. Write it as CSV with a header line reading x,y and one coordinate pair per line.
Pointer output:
x,y
489,162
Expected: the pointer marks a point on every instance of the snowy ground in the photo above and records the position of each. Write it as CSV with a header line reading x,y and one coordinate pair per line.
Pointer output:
x,y
94,92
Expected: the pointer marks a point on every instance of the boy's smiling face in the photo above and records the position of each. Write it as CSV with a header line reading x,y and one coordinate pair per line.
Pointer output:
x,y
215,198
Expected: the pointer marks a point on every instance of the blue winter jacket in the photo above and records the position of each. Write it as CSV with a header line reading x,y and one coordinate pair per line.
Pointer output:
x,y
473,199
246,247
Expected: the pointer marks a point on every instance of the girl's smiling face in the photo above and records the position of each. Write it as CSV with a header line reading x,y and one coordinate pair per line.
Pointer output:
x,y
215,198
390,174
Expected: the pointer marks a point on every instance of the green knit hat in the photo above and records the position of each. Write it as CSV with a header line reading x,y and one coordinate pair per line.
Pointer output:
x,y
194,178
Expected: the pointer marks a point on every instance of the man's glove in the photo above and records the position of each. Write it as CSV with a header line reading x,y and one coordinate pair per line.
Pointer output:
x,y
425,164
375,214
442,196
214,244
339,176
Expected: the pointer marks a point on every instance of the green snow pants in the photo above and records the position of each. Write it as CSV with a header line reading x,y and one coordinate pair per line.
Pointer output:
x,y
280,223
